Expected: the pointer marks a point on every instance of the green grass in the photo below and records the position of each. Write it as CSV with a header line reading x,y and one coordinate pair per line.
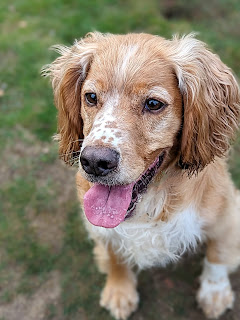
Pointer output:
x,y
33,182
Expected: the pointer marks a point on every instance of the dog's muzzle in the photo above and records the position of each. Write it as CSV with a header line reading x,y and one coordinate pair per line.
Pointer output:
x,y
107,206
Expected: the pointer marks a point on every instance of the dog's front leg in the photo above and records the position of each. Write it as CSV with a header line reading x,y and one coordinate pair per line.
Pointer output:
x,y
119,295
215,294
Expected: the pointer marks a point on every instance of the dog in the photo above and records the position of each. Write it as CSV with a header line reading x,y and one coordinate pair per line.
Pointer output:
x,y
150,121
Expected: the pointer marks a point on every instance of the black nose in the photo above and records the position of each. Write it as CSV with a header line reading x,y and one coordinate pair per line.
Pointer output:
x,y
99,160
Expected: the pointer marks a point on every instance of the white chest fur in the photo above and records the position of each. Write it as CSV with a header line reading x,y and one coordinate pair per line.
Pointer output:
x,y
145,241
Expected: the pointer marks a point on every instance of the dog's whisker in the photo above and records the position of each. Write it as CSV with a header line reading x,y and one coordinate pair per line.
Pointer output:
x,y
68,153
73,160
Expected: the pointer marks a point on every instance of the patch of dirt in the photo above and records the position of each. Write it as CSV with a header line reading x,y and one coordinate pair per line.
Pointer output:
x,y
22,159
169,293
34,307
49,226
9,280
49,230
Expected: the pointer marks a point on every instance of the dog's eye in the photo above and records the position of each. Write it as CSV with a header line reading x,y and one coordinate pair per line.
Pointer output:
x,y
91,98
154,105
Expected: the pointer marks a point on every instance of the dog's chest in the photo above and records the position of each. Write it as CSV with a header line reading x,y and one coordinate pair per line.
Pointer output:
x,y
146,241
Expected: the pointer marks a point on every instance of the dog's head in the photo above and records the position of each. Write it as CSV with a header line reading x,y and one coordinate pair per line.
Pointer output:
x,y
131,105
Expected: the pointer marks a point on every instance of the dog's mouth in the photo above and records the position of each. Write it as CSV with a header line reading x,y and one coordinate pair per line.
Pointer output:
x,y
108,206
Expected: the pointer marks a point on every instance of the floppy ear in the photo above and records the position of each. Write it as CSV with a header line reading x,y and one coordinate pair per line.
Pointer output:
x,y
211,103
67,74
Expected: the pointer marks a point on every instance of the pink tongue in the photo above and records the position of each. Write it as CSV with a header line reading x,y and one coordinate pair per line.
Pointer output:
x,y
107,206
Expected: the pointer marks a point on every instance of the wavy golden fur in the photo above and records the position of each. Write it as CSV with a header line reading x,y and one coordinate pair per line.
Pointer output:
x,y
192,198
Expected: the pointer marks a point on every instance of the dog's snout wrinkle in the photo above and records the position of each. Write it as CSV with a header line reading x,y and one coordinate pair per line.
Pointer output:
x,y
99,161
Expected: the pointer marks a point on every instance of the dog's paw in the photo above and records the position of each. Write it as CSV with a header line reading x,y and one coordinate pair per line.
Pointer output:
x,y
214,298
120,299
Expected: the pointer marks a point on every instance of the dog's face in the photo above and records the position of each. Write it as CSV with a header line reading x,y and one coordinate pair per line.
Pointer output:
x,y
139,103
130,104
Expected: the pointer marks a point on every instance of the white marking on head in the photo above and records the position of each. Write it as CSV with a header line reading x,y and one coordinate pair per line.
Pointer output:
x,y
127,53
102,124
131,50
110,106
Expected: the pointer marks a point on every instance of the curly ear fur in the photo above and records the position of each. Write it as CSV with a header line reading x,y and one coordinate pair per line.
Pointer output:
x,y
211,103
67,74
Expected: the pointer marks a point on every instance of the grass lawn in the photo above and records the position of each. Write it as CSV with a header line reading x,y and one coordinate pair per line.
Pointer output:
x,y
46,266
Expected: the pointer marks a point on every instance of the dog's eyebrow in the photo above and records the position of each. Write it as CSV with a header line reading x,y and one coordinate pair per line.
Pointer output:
x,y
90,85
161,93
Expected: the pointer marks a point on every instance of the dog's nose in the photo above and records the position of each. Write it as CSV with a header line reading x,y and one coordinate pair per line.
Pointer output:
x,y
99,160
